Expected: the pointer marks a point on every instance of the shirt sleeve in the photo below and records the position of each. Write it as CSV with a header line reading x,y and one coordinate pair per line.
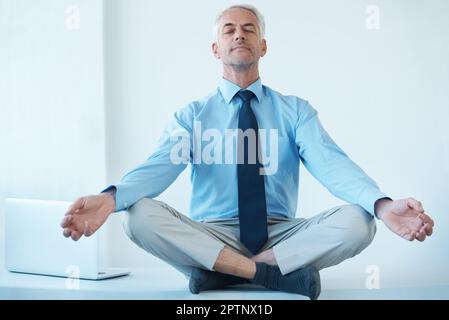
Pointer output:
x,y
330,165
160,170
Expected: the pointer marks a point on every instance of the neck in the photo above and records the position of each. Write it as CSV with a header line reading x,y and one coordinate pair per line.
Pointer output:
x,y
242,77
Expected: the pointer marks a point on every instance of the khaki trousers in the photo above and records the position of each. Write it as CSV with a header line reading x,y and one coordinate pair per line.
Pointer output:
x,y
324,240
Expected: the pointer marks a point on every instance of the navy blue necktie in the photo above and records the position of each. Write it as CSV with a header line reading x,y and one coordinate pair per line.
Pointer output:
x,y
251,187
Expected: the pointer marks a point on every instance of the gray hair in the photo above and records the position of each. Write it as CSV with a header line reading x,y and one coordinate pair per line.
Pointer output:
x,y
259,16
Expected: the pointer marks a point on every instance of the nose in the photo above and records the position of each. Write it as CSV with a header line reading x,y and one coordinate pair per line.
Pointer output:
x,y
239,35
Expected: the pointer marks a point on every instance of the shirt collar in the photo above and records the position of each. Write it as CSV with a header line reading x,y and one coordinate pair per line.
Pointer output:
x,y
229,89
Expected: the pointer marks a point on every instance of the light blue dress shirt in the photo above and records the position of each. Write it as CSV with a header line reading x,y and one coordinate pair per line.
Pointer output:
x,y
301,137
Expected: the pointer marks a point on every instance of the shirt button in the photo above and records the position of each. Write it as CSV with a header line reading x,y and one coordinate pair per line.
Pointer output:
x,y
126,205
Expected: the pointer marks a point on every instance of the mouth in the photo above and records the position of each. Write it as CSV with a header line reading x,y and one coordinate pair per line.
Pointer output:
x,y
237,48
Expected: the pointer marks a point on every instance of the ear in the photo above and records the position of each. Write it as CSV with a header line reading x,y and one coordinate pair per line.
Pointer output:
x,y
263,48
215,50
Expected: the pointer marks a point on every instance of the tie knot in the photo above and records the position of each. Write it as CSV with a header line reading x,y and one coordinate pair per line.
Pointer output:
x,y
245,95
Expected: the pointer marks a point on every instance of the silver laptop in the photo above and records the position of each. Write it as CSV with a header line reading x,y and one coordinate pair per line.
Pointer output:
x,y
34,243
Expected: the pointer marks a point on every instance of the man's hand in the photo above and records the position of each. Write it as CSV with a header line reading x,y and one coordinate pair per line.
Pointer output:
x,y
86,215
405,217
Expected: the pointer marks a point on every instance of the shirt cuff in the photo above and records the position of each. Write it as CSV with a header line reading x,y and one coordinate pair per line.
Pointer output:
x,y
368,198
112,188
124,196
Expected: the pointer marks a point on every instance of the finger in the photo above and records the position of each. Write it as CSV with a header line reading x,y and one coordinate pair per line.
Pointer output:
x,y
415,204
71,222
77,225
87,229
426,219
66,233
77,205
420,236
66,221
422,229
76,235
409,236
428,229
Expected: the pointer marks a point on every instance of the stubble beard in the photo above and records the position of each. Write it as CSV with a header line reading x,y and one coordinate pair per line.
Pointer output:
x,y
241,66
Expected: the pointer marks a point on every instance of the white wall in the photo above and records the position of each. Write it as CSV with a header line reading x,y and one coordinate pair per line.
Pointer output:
x,y
382,94
51,100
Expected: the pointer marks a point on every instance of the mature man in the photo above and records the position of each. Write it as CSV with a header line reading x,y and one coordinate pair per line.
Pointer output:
x,y
242,225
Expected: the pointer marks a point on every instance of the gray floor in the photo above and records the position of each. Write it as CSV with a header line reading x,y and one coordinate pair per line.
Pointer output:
x,y
169,284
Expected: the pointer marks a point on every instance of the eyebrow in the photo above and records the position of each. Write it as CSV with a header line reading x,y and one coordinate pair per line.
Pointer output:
x,y
229,24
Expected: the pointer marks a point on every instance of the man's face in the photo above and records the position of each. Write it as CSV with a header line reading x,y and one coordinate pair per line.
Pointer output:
x,y
238,40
